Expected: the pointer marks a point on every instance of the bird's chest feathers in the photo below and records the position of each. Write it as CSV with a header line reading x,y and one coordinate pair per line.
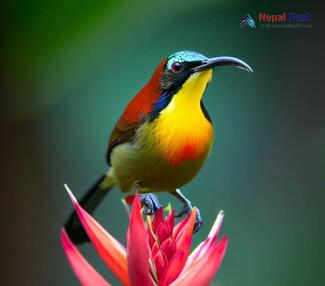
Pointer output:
x,y
182,132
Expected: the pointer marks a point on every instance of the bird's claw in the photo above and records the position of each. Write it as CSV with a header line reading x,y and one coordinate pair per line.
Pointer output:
x,y
150,203
187,208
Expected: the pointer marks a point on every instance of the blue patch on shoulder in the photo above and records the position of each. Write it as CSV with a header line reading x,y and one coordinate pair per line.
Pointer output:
x,y
160,104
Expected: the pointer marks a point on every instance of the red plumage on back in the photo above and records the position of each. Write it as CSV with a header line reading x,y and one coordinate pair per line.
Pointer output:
x,y
138,108
142,103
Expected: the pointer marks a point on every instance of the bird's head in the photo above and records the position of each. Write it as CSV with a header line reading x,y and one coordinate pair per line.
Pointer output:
x,y
183,65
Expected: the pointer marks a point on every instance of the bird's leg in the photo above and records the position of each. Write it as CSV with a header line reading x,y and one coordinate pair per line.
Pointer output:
x,y
149,202
187,208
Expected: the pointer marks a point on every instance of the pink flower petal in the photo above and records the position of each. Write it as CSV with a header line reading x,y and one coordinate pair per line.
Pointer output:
x,y
161,263
152,240
168,247
177,262
151,235
205,267
173,269
154,249
86,274
170,219
215,229
163,231
138,248
209,241
159,218
179,227
109,249
184,238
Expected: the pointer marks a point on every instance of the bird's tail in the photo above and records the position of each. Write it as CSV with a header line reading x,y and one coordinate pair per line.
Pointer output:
x,y
89,202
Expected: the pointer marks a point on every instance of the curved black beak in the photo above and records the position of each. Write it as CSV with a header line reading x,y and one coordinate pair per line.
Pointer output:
x,y
222,61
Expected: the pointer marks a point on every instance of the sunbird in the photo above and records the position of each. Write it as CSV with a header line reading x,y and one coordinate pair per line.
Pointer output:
x,y
162,138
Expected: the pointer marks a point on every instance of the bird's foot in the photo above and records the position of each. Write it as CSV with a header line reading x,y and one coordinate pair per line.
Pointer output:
x,y
150,203
187,209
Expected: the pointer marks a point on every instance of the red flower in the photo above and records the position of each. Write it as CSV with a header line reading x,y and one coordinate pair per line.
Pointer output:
x,y
157,254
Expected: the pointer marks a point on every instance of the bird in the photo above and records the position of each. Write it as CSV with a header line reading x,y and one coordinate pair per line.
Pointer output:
x,y
162,139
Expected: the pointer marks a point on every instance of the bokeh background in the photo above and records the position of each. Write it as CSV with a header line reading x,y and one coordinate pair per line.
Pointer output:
x,y
70,67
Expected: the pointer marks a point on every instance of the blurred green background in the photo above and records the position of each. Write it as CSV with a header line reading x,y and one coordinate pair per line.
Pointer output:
x,y
70,67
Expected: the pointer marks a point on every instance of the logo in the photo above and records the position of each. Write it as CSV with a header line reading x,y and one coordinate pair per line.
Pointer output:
x,y
285,17
285,20
278,20
248,22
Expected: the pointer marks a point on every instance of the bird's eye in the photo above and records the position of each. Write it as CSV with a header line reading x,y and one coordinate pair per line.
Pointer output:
x,y
176,67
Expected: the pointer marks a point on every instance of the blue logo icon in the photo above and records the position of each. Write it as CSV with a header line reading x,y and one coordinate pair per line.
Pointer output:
x,y
248,22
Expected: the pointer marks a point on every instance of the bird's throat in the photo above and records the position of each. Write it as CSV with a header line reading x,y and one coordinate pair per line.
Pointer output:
x,y
182,130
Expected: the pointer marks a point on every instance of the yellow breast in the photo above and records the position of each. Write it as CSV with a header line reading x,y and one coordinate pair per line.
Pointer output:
x,y
182,131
